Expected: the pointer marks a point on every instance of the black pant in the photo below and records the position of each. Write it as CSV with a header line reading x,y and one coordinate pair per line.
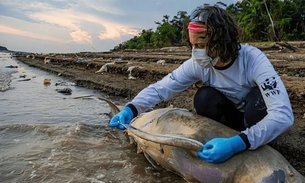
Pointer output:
x,y
211,103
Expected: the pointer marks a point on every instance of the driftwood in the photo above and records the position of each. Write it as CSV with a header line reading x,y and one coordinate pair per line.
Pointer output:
x,y
287,45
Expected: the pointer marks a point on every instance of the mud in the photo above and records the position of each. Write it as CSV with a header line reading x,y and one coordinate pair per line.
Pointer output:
x,y
119,81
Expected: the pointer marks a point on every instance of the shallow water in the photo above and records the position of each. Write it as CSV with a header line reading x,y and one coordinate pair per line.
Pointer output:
x,y
46,136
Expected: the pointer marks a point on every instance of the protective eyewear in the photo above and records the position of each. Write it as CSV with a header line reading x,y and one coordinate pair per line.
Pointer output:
x,y
199,15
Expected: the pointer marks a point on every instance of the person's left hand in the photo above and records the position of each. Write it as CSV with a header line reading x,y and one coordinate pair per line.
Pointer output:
x,y
219,150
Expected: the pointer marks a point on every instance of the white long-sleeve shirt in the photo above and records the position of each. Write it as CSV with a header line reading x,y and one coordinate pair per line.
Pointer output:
x,y
252,68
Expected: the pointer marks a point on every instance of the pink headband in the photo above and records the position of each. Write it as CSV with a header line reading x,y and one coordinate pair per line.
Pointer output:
x,y
195,27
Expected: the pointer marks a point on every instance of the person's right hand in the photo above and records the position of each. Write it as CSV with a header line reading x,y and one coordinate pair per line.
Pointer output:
x,y
123,117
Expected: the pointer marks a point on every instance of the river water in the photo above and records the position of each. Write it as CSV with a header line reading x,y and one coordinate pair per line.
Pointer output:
x,y
46,136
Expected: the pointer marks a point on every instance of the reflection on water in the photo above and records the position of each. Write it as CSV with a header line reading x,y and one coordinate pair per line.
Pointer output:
x,y
46,136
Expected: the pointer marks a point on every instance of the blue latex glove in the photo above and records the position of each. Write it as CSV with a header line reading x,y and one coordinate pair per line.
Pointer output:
x,y
123,117
219,150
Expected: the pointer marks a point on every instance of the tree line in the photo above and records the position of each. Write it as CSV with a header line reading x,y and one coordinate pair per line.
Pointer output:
x,y
258,20
3,48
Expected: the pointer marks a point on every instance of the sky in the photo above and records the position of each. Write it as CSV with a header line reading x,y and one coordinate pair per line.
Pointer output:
x,y
70,26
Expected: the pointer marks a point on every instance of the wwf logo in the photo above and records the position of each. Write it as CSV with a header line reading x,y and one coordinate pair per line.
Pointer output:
x,y
270,87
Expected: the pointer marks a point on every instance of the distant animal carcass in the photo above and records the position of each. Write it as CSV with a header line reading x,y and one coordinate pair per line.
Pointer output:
x,y
47,60
162,62
31,56
130,69
105,67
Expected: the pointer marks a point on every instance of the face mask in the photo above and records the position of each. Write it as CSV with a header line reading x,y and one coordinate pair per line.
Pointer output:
x,y
202,58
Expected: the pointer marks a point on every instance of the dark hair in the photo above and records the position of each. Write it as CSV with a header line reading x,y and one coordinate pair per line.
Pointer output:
x,y
223,33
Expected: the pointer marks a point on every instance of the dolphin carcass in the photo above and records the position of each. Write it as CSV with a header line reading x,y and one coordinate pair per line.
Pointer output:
x,y
170,137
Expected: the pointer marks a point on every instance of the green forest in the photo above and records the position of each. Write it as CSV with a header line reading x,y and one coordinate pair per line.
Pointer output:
x,y
258,21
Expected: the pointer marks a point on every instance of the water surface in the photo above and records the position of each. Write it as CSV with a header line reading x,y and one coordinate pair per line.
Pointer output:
x,y
46,136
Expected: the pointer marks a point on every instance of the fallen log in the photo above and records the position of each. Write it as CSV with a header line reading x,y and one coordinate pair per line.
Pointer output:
x,y
286,45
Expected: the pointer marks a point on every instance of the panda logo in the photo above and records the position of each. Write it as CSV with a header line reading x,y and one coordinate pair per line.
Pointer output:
x,y
270,86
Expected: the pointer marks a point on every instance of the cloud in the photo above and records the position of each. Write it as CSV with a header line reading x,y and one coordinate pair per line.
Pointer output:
x,y
81,36
116,31
73,20
10,30
74,17
103,7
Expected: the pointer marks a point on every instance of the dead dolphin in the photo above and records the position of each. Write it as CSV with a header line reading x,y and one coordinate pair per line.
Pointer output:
x,y
263,165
